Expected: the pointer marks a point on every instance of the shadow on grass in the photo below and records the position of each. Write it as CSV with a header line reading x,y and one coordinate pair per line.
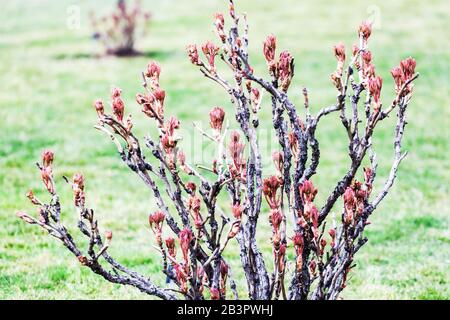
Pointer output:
x,y
154,54
75,56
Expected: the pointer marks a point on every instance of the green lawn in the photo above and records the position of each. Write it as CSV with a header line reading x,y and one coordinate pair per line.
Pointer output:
x,y
49,78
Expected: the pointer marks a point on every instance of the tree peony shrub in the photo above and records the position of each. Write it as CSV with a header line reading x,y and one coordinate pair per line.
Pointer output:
x,y
117,31
192,237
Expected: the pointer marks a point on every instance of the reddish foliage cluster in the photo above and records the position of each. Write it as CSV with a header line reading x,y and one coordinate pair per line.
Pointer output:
x,y
152,101
402,74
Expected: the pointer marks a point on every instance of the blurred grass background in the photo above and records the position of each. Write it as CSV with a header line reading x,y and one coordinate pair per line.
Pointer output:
x,y
49,77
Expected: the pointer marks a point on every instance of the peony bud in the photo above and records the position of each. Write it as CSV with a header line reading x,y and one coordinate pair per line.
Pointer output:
x,y
47,158
285,69
78,190
153,71
108,236
170,244
323,243
83,260
302,222
270,189
375,84
47,178
349,196
293,144
369,71
248,86
156,218
194,203
355,50
237,211
160,95
223,269
115,92
255,94
142,99
332,233
298,244
275,218
43,216
168,144
118,108
315,221
299,263
181,277
365,29
307,191
339,52
219,22
278,160
312,267
269,48
214,166
336,76
78,179
298,240
181,157
402,74
169,140
79,197
193,54
214,292
366,57
156,221
236,150
255,98
32,198
210,51
216,117
152,104
25,217
191,187
171,125
307,208
368,174
397,74
185,237
236,226
408,67
99,108
349,205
